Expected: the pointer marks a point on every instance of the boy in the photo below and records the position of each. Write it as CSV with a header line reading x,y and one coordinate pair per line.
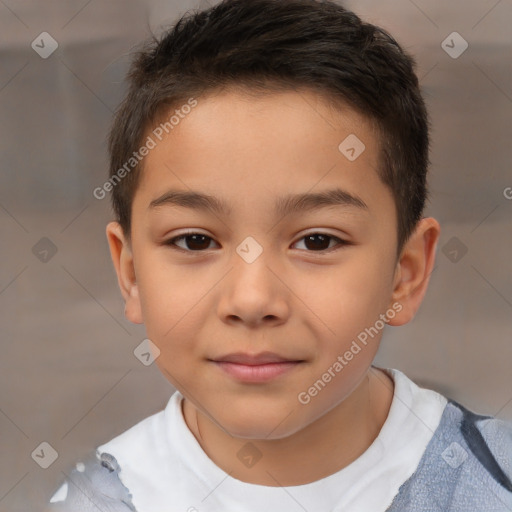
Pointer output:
x,y
257,128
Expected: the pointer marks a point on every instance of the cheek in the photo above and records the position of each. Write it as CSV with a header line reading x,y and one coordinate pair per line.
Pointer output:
x,y
347,296
346,300
169,297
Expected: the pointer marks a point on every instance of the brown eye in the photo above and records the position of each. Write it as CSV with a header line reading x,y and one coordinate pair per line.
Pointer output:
x,y
194,242
317,242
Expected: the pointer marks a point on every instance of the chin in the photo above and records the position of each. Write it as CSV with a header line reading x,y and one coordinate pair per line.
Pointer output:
x,y
255,425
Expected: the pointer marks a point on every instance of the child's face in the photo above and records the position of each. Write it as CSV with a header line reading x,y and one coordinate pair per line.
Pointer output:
x,y
303,299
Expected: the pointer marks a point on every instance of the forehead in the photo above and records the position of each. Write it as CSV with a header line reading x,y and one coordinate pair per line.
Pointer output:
x,y
247,146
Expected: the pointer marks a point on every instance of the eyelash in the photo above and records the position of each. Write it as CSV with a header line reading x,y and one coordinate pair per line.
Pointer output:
x,y
171,242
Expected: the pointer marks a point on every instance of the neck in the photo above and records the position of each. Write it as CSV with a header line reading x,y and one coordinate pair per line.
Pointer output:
x,y
322,448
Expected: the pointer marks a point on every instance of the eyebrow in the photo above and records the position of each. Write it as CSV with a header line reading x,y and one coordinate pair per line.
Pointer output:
x,y
286,205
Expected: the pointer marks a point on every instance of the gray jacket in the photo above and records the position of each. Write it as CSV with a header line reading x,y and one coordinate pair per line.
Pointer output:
x,y
467,466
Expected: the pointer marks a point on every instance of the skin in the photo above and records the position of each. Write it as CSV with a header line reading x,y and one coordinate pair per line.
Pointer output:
x,y
296,300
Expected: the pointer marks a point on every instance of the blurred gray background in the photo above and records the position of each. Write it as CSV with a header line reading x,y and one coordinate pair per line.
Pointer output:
x,y
68,373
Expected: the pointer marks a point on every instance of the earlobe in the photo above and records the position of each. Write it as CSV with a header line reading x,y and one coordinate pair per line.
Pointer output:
x,y
413,270
122,258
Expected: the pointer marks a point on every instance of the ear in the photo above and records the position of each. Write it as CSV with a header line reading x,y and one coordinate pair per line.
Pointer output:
x,y
413,270
122,258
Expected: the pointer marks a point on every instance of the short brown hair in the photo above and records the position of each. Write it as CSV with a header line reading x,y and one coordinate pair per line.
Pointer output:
x,y
270,45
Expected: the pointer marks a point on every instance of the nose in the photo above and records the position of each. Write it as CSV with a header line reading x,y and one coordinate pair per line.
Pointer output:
x,y
254,293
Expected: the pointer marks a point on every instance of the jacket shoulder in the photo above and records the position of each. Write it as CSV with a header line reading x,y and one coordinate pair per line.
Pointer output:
x,y
466,466
93,485
490,441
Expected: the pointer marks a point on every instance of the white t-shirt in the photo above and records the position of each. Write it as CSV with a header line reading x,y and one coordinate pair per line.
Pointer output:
x,y
166,470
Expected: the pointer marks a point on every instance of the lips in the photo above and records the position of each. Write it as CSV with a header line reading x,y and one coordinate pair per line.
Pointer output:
x,y
256,368
254,359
